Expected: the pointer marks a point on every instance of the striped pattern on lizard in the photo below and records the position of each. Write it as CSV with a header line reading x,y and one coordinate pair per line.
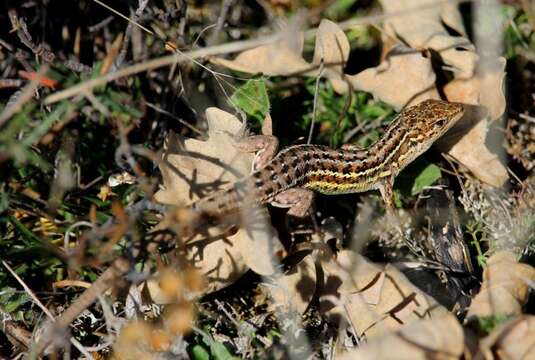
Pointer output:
x,y
289,178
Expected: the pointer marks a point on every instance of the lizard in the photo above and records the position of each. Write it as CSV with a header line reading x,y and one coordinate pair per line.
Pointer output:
x,y
289,178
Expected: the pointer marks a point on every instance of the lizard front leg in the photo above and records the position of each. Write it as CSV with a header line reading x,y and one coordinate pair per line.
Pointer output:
x,y
386,187
299,201
265,147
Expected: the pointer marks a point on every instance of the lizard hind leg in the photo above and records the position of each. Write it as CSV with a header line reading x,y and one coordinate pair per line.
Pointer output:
x,y
265,147
299,201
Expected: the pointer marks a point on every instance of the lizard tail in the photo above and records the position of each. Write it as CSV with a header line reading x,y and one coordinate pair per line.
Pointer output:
x,y
226,201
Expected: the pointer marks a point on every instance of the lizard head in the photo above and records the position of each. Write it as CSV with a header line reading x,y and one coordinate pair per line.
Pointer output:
x,y
430,119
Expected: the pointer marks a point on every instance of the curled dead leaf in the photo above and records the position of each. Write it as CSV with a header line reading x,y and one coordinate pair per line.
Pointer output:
x,y
471,150
257,240
294,290
332,48
405,77
284,57
439,338
279,58
425,29
194,168
372,298
514,339
505,287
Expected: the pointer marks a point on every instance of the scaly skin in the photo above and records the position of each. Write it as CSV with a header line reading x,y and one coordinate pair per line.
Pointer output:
x,y
346,170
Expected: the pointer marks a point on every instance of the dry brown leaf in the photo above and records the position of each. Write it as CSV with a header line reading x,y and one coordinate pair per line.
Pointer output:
x,y
279,58
424,29
200,167
295,289
471,151
333,48
438,338
405,77
457,53
284,57
505,287
374,299
483,89
514,339
257,240
196,168
451,16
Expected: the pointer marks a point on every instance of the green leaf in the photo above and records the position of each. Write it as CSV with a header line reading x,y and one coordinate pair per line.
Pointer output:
x,y
199,353
220,351
119,104
252,98
397,199
27,235
486,324
375,111
4,201
13,299
339,8
217,350
49,120
427,177
16,124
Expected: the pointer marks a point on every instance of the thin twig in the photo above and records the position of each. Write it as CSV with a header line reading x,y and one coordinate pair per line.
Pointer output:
x,y
157,63
315,104
185,123
128,33
101,24
201,33
24,97
24,36
28,290
45,310
123,16
227,48
220,21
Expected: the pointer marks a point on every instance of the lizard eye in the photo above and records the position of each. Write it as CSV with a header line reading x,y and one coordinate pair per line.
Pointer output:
x,y
440,122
